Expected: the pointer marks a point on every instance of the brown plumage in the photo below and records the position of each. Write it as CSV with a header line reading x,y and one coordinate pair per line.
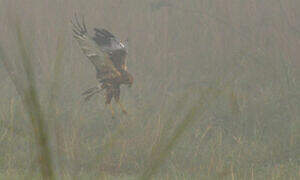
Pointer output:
x,y
107,53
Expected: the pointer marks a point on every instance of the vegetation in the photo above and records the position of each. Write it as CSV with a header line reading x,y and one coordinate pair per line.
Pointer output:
x,y
216,91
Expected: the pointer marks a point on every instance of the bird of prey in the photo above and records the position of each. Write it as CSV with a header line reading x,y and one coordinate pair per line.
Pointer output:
x,y
107,53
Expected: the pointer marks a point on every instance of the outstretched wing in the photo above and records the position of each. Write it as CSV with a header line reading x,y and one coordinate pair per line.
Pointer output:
x,y
113,46
101,60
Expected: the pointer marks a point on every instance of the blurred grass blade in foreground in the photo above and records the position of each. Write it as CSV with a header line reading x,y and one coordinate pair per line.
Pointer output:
x,y
28,92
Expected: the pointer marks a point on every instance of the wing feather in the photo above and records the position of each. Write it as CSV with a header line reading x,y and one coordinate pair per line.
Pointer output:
x,y
109,43
100,59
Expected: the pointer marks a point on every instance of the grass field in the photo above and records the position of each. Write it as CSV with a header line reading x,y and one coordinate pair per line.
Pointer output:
x,y
216,91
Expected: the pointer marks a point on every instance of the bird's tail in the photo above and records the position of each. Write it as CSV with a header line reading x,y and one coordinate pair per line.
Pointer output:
x,y
90,92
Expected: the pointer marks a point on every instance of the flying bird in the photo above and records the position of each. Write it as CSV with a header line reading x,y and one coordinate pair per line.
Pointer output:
x,y
108,55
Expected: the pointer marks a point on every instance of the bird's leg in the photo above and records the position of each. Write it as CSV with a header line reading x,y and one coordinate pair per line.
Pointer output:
x,y
122,107
112,110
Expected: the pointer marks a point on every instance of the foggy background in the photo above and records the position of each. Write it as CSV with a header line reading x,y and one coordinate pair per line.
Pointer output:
x,y
236,62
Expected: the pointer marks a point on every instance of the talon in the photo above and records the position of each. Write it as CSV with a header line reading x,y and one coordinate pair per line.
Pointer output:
x,y
112,111
125,112
122,108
